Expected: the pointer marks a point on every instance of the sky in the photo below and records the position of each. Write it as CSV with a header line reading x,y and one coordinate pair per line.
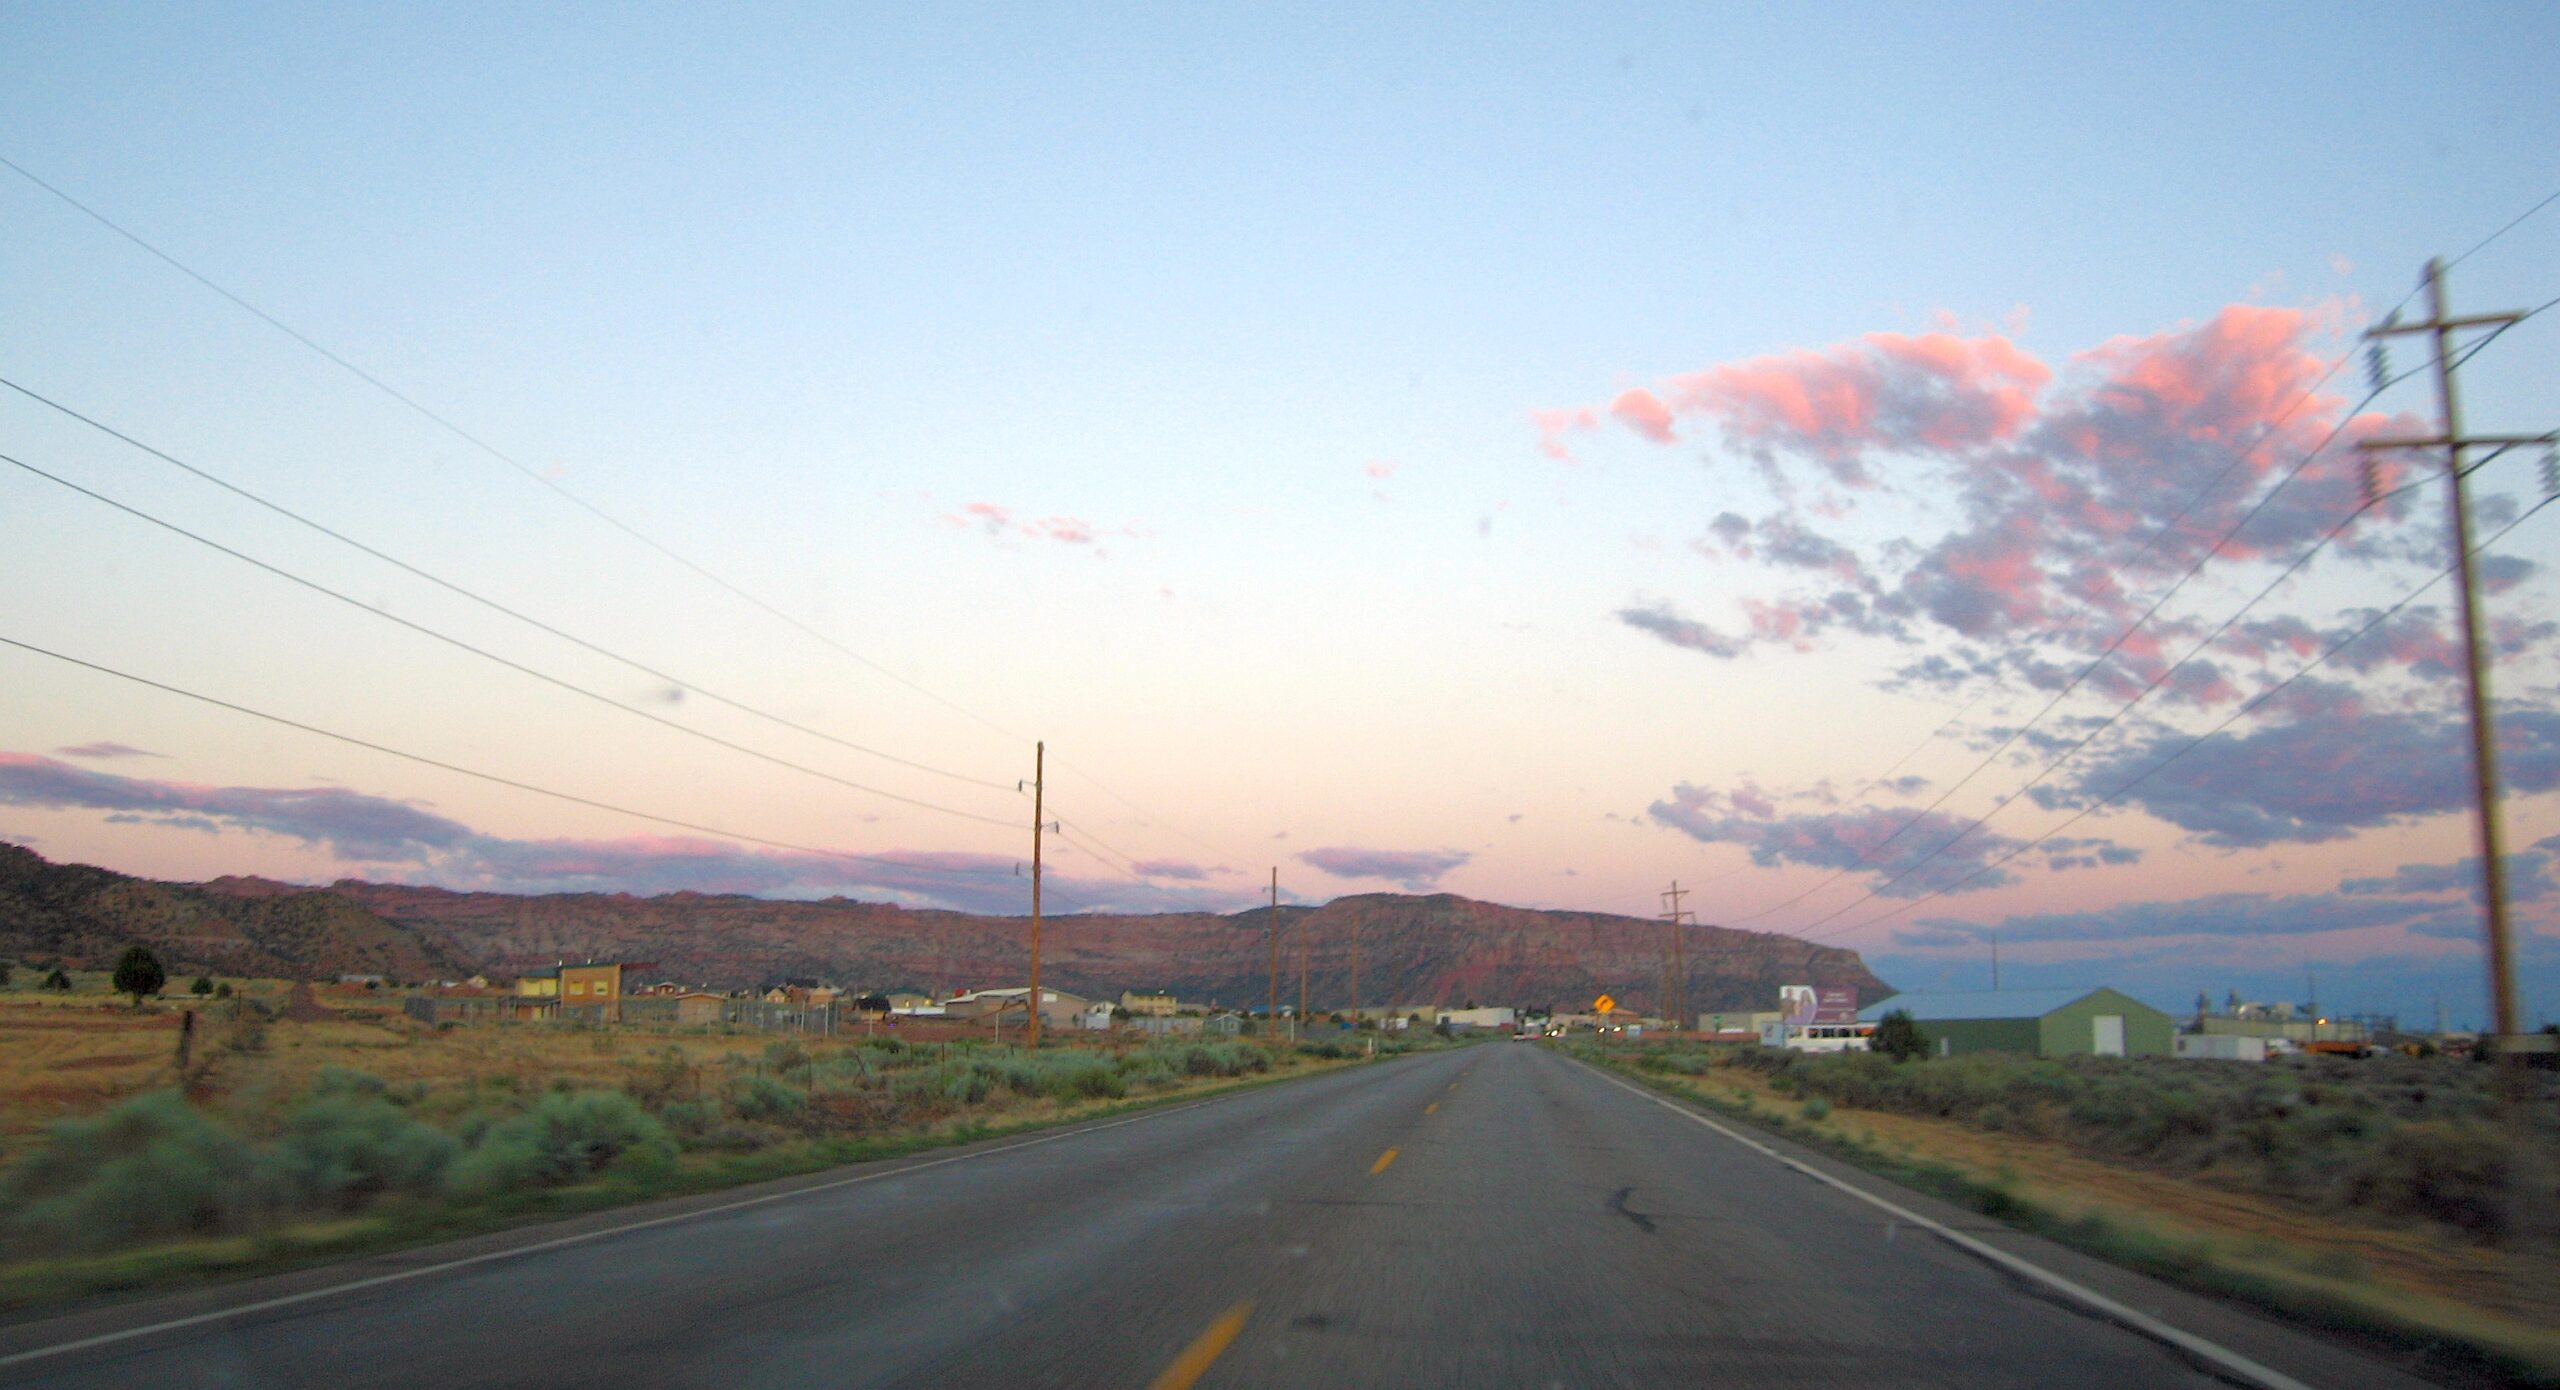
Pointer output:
x,y
1895,475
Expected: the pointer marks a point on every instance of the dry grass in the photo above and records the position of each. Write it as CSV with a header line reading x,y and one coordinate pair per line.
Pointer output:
x,y
75,1054
724,1108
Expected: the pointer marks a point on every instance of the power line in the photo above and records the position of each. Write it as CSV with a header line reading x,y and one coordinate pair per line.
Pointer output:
x,y
457,431
2483,242
493,451
2210,638
2192,744
484,601
2201,561
487,655
1867,856
2089,597
2127,708
572,798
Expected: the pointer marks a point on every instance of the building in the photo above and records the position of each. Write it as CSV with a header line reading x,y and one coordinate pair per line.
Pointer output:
x,y
591,992
2039,1022
2223,1047
1479,1018
1150,1003
1095,1018
803,991
1814,1018
1166,1025
539,984
1058,1009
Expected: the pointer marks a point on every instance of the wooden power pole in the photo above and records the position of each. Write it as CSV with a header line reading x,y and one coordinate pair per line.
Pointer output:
x,y
1355,972
1271,1019
1039,776
1301,1022
1675,976
2440,325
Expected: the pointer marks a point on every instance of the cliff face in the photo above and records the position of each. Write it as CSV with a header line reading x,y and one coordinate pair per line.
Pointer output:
x,y
1437,949
84,916
1427,950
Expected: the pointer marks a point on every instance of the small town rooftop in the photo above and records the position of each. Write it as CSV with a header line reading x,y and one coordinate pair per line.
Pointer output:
x,y
1978,1003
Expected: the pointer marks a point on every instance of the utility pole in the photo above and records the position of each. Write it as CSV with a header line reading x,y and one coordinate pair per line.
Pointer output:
x,y
1355,972
1300,1022
1995,962
2441,325
1039,787
1676,970
1271,1020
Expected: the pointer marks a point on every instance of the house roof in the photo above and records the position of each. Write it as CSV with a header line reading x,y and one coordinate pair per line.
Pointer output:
x,y
1977,1003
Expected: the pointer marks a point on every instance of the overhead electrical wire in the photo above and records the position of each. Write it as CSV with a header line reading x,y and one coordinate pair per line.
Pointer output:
x,y
445,423
2250,706
669,553
2088,598
1867,855
2210,553
2210,638
484,601
903,865
2111,720
486,655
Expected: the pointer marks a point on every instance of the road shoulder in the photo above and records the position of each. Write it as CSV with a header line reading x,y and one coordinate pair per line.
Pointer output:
x,y
2305,1355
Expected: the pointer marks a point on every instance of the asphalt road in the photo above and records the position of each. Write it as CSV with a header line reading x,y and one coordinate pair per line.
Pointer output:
x,y
1495,1216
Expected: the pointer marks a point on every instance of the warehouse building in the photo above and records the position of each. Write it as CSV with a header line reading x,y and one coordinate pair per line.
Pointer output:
x,y
2037,1022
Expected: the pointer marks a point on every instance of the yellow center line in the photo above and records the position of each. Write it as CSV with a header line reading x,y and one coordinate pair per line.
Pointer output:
x,y
1431,1107
1204,1350
1381,1165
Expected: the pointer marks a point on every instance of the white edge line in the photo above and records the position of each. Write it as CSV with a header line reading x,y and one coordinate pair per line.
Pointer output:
x,y
2139,1321
399,1276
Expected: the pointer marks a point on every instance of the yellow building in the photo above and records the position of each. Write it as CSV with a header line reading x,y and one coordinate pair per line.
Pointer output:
x,y
538,984
592,986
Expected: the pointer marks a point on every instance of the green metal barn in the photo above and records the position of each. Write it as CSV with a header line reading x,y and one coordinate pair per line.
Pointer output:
x,y
2038,1022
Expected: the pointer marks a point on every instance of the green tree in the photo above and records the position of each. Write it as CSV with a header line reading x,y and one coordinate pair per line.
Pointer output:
x,y
58,982
203,985
4,974
138,973
1899,1037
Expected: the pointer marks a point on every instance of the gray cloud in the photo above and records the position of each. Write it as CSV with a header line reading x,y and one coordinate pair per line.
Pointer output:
x,y
1416,870
2317,779
376,834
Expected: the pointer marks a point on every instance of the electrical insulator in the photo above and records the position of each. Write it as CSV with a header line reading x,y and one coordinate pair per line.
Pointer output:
x,y
2551,470
2372,481
2377,366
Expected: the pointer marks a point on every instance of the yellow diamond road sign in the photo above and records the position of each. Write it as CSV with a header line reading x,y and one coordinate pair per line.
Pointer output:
x,y
1604,1004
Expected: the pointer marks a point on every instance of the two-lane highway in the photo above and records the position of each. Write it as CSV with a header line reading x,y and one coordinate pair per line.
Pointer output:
x,y
1495,1216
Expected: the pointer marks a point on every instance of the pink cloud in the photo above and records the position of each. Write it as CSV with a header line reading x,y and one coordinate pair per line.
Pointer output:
x,y
1641,411
1001,521
1553,425
1380,469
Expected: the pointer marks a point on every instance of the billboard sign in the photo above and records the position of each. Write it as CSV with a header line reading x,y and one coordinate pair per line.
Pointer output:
x,y
1835,1005
1797,1004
